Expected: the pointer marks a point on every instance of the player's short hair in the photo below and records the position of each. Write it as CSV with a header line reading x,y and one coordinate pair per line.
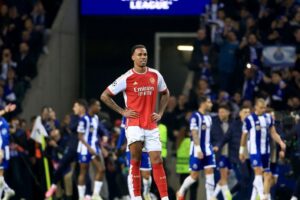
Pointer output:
x,y
137,46
260,100
82,102
245,107
202,99
92,102
224,106
45,107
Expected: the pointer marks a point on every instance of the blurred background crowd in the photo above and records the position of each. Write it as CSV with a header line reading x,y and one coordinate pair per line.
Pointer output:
x,y
244,49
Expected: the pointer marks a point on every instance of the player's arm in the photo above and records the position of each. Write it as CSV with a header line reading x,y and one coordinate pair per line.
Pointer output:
x,y
276,137
162,105
243,146
164,99
227,137
245,129
81,138
106,97
8,108
196,140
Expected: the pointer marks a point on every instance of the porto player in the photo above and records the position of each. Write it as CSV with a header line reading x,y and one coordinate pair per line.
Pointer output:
x,y
140,86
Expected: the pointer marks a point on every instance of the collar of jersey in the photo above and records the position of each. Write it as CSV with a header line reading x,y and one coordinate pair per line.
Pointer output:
x,y
140,73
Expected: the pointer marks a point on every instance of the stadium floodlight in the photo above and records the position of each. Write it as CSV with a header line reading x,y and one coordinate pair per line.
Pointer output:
x,y
185,48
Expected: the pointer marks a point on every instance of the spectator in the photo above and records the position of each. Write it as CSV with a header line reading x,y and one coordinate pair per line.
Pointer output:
x,y
27,69
7,62
4,19
202,89
2,98
251,50
227,61
169,117
253,78
278,90
14,91
203,63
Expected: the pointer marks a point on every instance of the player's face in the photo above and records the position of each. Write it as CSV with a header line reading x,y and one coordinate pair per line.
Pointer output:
x,y
96,107
260,108
140,57
76,108
244,113
208,105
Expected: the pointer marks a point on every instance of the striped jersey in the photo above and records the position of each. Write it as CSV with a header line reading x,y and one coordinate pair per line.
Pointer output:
x,y
4,137
201,123
257,127
88,126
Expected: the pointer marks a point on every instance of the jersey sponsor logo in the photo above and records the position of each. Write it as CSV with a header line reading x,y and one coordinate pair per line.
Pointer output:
x,y
195,166
4,131
152,80
221,163
144,91
255,162
91,129
257,127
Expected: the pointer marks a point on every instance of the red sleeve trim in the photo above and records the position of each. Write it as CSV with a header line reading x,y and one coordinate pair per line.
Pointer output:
x,y
110,92
164,91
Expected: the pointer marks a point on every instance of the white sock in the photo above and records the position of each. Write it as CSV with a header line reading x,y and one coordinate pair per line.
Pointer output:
x,y
294,198
165,198
137,198
268,196
209,185
97,187
147,185
188,181
53,186
258,184
217,190
226,192
253,194
81,191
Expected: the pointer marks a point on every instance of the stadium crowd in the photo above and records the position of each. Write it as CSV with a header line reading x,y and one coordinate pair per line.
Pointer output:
x,y
24,32
229,68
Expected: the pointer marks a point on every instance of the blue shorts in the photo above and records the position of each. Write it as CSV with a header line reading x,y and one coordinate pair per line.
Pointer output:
x,y
145,161
4,164
274,169
224,162
260,160
86,158
207,162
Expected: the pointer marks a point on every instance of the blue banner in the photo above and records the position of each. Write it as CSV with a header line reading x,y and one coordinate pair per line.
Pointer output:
x,y
143,7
